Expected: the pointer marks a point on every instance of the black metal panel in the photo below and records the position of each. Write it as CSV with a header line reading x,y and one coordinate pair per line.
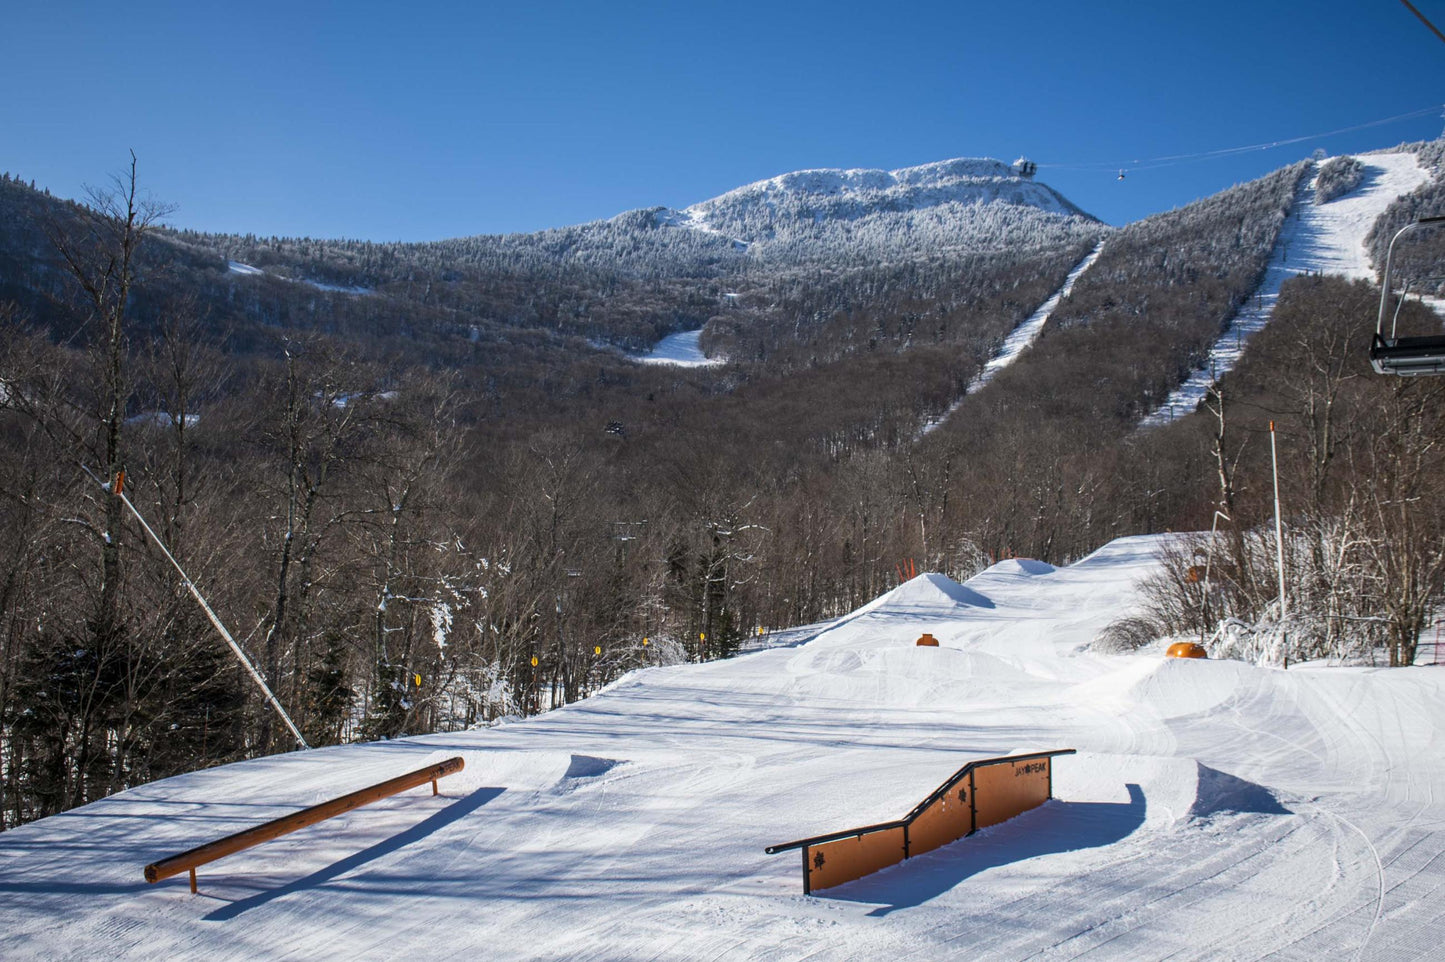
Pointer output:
x,y
1408,356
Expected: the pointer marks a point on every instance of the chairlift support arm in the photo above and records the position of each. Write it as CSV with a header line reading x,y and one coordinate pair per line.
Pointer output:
x,y
1389,258
1404,355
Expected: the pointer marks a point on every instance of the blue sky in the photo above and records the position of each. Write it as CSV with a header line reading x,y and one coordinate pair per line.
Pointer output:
x,y
427,120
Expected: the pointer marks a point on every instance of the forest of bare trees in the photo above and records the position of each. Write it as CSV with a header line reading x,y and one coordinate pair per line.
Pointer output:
x,y
1360,458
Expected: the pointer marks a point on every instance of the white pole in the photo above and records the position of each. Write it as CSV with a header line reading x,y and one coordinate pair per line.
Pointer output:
x,y
245,662
1278,528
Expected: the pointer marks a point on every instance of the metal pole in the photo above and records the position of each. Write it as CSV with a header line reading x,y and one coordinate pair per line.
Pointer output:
x,y
1278,527
1208,563
195,593
1389,256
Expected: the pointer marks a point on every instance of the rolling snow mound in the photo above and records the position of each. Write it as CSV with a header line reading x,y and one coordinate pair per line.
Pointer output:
x,y
1022,566
1214,809
932,590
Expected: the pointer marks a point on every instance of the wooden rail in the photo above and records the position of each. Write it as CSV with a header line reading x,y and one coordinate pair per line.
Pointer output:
x,y
286,824
981,793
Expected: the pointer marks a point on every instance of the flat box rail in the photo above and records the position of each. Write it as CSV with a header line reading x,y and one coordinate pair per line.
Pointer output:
x,y
221,847
982,793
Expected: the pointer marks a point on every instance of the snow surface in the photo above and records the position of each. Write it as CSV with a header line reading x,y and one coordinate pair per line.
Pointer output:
x,y
680,350
1021,337
1316,239
162,419
1216,810
1026,333
337,288
246,270
695,219
964,180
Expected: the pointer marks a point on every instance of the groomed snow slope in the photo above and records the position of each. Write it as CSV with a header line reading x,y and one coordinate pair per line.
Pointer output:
x,y
1324,238
1215,810
682,349
1020,338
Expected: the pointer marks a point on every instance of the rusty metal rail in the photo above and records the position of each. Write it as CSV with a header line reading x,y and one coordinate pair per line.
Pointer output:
x,y
221,847
982,793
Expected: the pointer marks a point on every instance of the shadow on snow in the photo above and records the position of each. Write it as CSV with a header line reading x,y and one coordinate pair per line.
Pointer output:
x,y
1054,827
459,809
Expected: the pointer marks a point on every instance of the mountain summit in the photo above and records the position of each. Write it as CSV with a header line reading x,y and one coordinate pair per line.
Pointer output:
x,y
857,192
965,202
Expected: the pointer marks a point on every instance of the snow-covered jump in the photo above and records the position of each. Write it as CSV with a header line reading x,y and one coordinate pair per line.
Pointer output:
x,y
1215,810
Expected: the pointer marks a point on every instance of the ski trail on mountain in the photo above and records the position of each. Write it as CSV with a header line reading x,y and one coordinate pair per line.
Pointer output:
x,y
1026,333
1020,338
1316,239
683,349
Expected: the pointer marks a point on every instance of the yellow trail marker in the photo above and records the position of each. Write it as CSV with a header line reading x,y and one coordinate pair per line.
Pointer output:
x,y
597,650
534,661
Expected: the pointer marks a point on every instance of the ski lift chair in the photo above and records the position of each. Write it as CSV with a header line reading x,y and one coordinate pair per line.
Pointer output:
x,y
1408,356
1405,356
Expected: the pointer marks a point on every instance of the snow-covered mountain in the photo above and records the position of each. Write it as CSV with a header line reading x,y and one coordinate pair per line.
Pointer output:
x,y
975,203
850,194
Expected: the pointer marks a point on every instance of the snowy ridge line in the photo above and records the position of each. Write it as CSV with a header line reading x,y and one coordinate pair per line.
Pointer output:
x,y
1021,337
974,205
784,638
1324,238
693,218
962,179
813,632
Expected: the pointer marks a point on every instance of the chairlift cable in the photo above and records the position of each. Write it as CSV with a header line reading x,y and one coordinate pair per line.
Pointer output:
x,y
1170,160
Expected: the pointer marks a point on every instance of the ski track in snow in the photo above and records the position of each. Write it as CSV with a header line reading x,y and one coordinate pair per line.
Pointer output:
x,y
1026,333
1020,338
1316,239
246,270
680,350
1216,810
